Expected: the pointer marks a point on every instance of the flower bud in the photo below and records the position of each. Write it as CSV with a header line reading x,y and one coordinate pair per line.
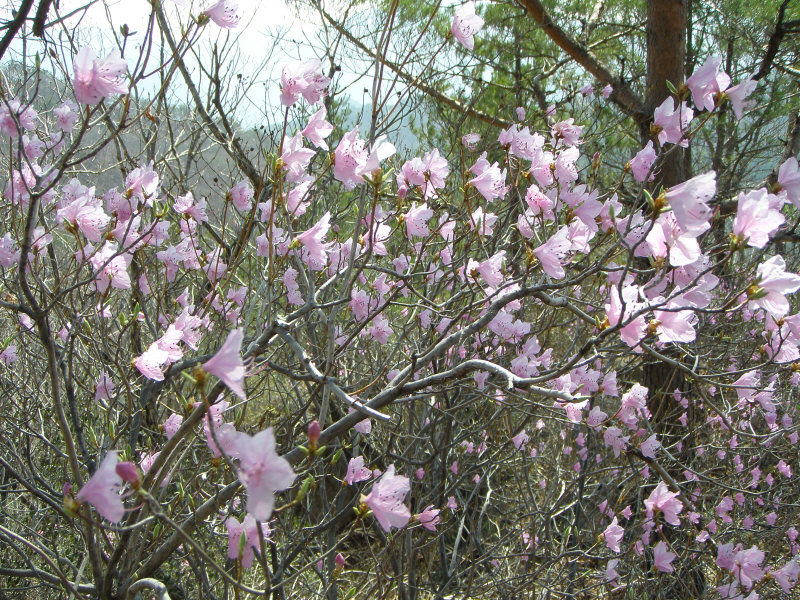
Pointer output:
x,y
129,473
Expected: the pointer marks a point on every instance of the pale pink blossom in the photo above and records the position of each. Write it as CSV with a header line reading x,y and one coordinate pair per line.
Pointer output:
x,y
95,79
755,218
466,24
102,490
303,78
470,141
8,355
774,282
104,387
429,518
66,116
613,535
641,163
490,181
665,501
385,500
789,180
520,439
318,129
787,575
262,472
356,471
688,201
619,310
227,364
242,196
671,123
554,253
172,424
416,220
315,251
746,567
223,13
352,160
739,93
650,446
662,558
249,529
15,111
706,82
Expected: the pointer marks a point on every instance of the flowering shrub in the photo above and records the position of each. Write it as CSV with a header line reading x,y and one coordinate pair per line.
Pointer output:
x,y
414,377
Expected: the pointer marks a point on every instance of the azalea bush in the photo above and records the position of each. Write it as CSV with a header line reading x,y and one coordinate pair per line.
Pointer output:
x,y
350,373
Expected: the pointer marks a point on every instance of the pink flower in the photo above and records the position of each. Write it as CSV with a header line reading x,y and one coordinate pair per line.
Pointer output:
x,y
143,183
470,141
356,471
380,331
567,133
262,472
662,558
25,114
619,310
416,220
607,91
172,424
755,219
87,214
773,283
452,504
242,196
641,163
187,207
746,567
96,79
150,362
386,500
104,387
611,570
227,364
102,490
318,129
688,202
650,446
295,157
787,575
613,437
465,25
553,253
665,501
490,182
671,123
303,78
613,534
675,325
249,529
725,554
315,251
429,518
352,161
9,355
789,180
66,116
214,427
223,13
706,81
490,269
739,93
520,439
